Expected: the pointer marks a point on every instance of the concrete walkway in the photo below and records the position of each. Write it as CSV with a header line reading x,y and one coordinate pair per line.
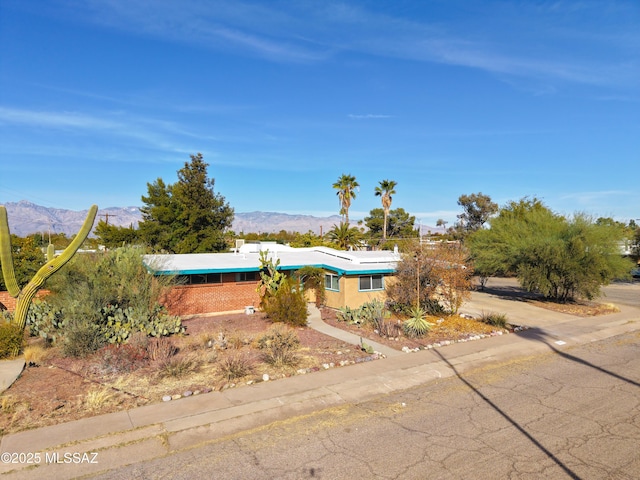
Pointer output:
x,y
315,321
161,429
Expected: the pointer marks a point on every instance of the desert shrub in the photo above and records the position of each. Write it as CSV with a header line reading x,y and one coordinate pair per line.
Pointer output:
x,y
121,358
179,367
160,349
390,329
286,305
430,306
279,346
236,366
82,338
11,339
235,342
112,290
495,319
417,324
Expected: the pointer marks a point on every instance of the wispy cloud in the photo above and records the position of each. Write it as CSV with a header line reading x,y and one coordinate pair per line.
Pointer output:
x,y
590,197
368,116
149,132
498,38
11,116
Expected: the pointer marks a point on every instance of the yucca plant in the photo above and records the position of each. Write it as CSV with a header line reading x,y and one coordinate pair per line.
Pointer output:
x,y
417,325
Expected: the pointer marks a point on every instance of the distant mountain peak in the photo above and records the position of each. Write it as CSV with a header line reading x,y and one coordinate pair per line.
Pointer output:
x,y
26,218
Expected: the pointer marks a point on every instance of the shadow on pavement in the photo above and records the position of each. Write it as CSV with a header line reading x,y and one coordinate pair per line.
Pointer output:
x,y
510,292
533,440
536,334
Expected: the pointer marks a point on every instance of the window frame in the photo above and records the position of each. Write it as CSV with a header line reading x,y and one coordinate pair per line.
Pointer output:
x,y
207,278
372,287
245,277
330,284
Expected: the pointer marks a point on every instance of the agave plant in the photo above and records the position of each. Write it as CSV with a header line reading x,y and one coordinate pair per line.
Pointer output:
x,y
417,325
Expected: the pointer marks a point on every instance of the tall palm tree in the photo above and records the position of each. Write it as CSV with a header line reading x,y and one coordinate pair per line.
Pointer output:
x,y
346,186
384,191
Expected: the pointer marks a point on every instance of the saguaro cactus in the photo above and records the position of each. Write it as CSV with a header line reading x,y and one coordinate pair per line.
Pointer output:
x,y
25,296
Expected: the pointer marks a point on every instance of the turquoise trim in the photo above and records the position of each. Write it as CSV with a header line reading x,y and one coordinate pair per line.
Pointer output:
x,y
339,271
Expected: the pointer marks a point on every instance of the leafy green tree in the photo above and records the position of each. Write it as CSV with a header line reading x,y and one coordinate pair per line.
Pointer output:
x,y
477,209
441,223
563,259
346,186
344,236
112,236
188,216
400,225
385,191
308,239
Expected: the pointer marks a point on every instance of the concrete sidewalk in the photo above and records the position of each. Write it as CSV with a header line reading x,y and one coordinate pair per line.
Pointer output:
x,y
10,370
160,429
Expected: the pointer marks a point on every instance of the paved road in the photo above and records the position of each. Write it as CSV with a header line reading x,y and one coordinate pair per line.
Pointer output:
x,y
624,293
573,413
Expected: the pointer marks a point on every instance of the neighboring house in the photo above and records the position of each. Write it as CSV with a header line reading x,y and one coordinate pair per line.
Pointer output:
x,y
223,282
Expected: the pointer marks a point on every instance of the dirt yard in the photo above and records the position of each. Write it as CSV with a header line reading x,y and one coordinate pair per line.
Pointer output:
x,y
217,352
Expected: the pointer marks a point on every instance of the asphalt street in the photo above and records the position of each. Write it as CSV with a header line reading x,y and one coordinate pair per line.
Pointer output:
x,y
571,413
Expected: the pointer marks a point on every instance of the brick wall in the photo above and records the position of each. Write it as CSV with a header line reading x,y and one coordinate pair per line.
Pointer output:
x,y
10,303
211,298
190,299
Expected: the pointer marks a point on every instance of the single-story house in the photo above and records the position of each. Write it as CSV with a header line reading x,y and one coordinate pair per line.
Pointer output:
x,y
224,282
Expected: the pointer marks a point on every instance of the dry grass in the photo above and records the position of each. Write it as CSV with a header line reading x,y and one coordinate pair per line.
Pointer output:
x,y
578,308
35,354
97,397
456,326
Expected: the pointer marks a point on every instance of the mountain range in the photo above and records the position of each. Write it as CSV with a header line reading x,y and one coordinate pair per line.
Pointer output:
x,y
26,218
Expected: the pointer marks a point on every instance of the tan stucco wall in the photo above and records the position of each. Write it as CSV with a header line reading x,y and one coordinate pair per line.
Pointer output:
x,y
350,295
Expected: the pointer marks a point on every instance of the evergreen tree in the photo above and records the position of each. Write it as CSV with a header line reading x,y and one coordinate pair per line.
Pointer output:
x,y
188,216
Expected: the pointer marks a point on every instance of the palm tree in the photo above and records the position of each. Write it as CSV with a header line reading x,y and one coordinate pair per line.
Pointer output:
x,y
344,236
384,191
346,186
441,223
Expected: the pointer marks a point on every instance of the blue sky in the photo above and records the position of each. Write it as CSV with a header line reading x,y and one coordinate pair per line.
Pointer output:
x,y
450,97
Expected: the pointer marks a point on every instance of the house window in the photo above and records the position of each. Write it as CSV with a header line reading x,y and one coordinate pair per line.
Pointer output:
x,y
371,282
331,282
200,279
245,276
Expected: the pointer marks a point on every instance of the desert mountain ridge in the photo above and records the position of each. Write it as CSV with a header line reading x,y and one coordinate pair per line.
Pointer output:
x,y
26,218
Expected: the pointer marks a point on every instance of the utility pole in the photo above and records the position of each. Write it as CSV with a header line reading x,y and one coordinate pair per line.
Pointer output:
x,y
107,215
